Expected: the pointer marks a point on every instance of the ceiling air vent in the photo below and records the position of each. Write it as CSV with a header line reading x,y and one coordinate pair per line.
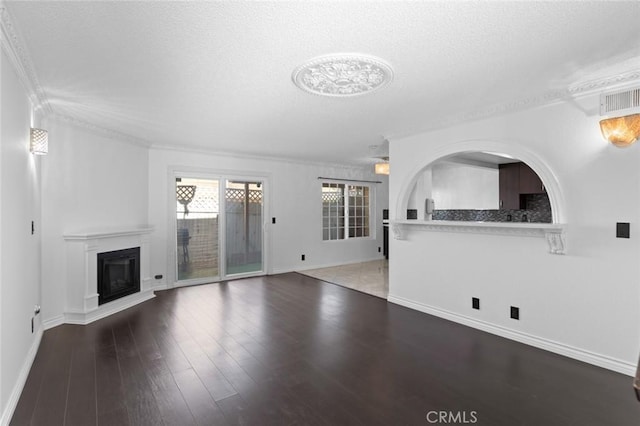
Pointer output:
x,y
621,103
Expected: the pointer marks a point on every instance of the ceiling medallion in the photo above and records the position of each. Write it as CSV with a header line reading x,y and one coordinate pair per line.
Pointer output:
x,y
343,75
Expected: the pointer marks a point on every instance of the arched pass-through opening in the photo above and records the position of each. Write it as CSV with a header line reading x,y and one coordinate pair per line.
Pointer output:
x,y
553,232
547,176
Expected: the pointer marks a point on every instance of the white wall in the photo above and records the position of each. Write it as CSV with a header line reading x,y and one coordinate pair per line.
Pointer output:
x,y
294,200
89,182
464,186
585,304
19,250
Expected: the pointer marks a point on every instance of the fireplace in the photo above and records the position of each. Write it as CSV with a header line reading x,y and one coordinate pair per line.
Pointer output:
x,y
118,274
86,299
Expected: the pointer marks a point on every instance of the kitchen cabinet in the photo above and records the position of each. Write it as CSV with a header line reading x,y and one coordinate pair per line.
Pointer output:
x,y
516,180
530,183
509,186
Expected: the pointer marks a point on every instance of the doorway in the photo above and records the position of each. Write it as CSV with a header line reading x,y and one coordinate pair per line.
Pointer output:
x,y
219,228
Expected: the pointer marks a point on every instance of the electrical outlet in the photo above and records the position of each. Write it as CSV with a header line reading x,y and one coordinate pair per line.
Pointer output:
x,y
623,230
302,257
475,303
515,313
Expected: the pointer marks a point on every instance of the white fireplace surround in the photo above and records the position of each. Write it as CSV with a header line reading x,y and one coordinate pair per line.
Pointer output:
x,y
82,250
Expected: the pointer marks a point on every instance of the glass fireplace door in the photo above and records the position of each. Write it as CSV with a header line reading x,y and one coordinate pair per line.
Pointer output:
x,y
197,228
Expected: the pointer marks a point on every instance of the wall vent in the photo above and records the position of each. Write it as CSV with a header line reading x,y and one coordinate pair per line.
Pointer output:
x,y
621,103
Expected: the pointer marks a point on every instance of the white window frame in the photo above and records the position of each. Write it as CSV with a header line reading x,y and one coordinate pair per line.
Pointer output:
x,y
346,212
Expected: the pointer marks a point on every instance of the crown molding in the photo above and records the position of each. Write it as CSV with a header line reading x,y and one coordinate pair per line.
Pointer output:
x,y
495,110
12,44
126,138
574,91
103,131
545,98
589,87
245,156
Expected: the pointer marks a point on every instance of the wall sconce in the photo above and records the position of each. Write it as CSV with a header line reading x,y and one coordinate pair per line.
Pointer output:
x,y
382,168
621,131
39,142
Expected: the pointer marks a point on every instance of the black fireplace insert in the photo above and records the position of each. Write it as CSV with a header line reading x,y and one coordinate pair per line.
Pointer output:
x,y
118,274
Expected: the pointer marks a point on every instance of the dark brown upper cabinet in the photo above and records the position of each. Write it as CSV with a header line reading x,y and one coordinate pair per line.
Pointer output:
x,y
517,179
530,183
509,180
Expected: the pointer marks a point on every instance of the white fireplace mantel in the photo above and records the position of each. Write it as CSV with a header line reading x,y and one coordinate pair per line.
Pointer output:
x,y
82,271
99,233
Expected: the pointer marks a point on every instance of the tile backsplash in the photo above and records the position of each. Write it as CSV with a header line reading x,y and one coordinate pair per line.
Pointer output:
x,y
538,210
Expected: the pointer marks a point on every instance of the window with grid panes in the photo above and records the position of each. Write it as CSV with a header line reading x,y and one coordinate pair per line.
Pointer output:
x,y
345,211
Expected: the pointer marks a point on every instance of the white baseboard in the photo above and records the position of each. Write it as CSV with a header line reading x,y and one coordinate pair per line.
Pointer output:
x,y
12,401
53,322
84,318
589,357
81,318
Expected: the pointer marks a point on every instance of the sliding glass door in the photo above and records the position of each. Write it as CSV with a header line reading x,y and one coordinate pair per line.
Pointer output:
x,y
243,215
219,228
197,226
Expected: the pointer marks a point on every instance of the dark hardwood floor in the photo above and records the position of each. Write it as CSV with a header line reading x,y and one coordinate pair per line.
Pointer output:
x,y
289,349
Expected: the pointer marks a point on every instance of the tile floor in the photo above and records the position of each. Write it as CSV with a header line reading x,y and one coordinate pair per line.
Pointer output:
x,y
368,277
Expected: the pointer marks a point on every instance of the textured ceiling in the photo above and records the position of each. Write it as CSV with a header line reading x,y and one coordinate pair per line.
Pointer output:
x,y
217,75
